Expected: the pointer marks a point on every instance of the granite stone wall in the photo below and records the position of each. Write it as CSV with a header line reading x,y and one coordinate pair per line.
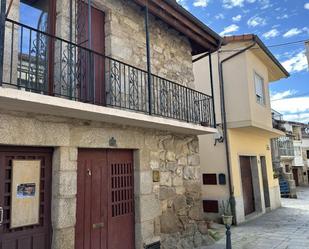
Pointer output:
x,y
168,210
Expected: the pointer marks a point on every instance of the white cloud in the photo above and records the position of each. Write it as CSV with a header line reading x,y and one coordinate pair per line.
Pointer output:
x,y
201,3
297,63
183,3
285,16
306,6
219,16
256,21
271,33
275,96
265,4
229,29
233,3
293,109
236,18
292,32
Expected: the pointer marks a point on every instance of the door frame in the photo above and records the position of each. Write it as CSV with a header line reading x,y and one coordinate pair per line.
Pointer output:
x,y
265,191
49,182
256,185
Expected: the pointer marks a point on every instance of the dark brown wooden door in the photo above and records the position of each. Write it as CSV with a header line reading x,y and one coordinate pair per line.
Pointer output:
x,y
91,65
105,199
247,184
34,236
295,176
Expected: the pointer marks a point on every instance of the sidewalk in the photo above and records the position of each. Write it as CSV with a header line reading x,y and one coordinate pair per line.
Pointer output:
x,y
284,228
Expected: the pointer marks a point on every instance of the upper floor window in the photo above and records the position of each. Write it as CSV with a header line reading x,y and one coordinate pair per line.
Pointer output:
x,y
259,89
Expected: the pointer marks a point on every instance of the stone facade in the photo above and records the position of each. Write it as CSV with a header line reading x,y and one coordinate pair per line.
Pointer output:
x,y
125,39
168,210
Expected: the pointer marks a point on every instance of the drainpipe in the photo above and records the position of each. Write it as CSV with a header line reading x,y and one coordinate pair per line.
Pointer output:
x,y
212,91
223,114
2,35
148,59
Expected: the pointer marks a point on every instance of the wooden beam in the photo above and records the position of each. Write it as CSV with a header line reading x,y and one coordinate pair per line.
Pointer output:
x,y
183,19
181,23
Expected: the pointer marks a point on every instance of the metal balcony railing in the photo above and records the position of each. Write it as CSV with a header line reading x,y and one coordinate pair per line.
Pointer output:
x,y
282,147
39,62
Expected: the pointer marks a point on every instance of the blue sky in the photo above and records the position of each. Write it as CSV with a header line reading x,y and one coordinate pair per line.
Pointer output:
x,y
275,22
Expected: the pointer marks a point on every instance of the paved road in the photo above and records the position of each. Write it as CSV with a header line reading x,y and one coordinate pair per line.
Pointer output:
x,y
284,228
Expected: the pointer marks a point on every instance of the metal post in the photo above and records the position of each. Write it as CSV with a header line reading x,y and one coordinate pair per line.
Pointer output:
x,y
90,73
228,237
70,50
2,36
212,91
148,60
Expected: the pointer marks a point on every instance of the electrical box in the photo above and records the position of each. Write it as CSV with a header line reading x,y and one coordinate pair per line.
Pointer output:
x,y
222,179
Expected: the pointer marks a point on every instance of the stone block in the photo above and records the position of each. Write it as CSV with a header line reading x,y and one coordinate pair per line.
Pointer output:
x,y
73,153
202,227
63,238
177,181
194,160
170,222
191,173
171,166
63,212
182,161
179,203
65,183
148,208
143,182
195,213
170,156
166,193
166,179
61,159
145,229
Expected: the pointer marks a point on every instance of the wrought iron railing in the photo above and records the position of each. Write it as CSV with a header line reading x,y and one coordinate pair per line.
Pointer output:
x,y
39,62
282,147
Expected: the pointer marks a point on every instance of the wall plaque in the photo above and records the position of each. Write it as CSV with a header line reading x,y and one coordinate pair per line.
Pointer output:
x,y
25,201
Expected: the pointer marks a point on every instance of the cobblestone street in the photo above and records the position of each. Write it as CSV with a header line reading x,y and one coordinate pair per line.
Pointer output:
x,y
285,228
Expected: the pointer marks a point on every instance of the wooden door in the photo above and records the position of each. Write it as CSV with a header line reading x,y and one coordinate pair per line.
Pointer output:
x,y
33,236
121,207
247,184
295,176
91,64
105,200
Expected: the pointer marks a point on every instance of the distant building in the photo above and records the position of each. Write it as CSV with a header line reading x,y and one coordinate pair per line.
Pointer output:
x,y
290,154
239,161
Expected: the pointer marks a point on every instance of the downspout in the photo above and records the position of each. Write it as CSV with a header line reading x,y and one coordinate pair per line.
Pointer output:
x,y
2,35
149,78
223,116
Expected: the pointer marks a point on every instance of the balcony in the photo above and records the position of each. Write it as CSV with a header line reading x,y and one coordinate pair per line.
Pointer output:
x,y
39,63
282,147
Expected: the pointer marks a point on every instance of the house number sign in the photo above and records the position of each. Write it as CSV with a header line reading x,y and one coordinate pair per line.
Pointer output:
x,y
25,201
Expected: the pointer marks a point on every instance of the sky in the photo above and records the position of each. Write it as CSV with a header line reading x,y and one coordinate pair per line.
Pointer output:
x,y
275,22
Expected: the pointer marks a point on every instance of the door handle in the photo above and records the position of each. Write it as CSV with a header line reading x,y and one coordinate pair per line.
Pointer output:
x,y
1,215
98,225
